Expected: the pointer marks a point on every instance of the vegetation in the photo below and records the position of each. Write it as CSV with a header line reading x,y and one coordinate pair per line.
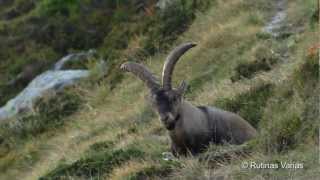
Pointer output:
x,y
95,165
103,128
248,105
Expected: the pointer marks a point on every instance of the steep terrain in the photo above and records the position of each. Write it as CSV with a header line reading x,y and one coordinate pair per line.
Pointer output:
x,y
104,129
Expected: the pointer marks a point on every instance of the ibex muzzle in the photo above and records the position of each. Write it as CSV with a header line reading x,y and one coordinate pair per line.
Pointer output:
x,y
191,128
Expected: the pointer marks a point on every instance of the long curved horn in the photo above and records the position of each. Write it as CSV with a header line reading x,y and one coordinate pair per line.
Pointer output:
x,y
171,61
142,73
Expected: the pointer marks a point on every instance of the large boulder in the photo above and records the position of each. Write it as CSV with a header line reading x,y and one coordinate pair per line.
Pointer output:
x,y
48,84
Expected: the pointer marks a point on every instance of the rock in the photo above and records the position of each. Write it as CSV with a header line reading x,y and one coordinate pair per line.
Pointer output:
x,y
77,57
47,84
168,156
163,4
30,71
277,21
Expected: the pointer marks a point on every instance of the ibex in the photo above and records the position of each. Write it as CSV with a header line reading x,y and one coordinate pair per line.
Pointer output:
x,y
191,128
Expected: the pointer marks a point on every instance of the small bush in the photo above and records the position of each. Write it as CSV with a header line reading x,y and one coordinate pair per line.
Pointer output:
x,y
281,122
64,7
62,105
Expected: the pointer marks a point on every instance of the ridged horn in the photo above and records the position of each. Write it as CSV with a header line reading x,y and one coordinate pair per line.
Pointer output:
x,y
171,61
142,73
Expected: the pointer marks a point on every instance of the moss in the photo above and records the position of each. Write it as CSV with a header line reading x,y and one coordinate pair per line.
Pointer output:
x,y
249,105
95,166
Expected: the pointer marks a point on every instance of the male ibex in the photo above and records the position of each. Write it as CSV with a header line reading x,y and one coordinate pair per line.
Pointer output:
x,y
191,128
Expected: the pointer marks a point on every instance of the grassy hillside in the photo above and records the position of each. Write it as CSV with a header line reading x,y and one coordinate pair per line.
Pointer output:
x,y
42,32
106,130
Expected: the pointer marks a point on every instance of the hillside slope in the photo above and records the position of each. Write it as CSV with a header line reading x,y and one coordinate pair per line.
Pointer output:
x,y
271,81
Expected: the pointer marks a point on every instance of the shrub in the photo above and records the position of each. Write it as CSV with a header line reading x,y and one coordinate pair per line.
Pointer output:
x,y
263,35
281,121
49,114
291,115
306,80
63,7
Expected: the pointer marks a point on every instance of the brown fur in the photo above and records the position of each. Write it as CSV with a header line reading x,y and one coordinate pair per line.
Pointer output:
x,y
191,128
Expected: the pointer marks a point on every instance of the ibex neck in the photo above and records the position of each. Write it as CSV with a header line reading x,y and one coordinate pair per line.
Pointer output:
x,y
191,117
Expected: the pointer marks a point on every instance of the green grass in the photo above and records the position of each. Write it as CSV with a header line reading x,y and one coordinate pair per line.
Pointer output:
x,y
115,134
50,113
249,105
95,166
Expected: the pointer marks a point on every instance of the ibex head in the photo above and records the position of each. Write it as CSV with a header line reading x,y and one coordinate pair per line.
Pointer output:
x,y
164,99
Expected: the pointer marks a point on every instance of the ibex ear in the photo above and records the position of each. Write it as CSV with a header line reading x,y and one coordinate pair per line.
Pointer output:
x,y
183,87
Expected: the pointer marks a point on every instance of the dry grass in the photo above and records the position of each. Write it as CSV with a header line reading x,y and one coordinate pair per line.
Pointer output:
x,y
226,35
